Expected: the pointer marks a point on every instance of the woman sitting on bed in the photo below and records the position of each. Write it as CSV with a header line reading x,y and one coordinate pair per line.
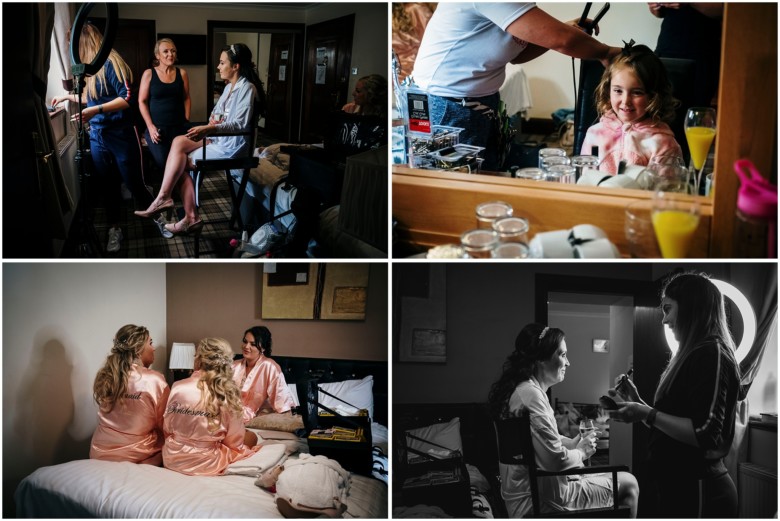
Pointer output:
x,y
203,428
538,362
131,399
259,378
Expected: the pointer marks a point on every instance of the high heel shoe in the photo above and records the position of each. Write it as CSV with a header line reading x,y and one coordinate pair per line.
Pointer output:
x,y
184,227
156,208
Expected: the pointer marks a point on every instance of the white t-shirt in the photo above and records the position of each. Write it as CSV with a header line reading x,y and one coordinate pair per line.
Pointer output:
x,y
466,48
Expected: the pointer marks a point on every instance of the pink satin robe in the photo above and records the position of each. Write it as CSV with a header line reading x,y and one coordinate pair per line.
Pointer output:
x,y
263,387
191,447
132,430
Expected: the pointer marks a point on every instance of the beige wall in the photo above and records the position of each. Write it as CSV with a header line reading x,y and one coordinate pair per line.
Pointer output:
x,y
59,320
369,47
224,300
550,75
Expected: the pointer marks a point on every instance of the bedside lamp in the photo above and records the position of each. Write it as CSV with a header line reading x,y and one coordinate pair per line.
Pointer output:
x,y
182,360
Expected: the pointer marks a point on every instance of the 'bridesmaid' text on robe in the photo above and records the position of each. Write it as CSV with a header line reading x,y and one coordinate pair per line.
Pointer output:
x,y
193,445
132,430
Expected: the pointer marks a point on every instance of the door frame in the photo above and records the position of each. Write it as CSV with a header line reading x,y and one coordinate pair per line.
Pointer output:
x,y
297,51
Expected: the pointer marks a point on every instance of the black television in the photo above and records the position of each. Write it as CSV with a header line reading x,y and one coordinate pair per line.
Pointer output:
x,y
191,49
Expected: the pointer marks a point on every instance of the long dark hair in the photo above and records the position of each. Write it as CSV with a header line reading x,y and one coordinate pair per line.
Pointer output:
x,y
262,339
533,344
239,54
701,317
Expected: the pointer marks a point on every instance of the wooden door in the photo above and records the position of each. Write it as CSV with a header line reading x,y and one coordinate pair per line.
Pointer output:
x,y
134,41
279,88
326,79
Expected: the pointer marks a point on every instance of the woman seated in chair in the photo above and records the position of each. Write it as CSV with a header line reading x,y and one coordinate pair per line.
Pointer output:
x,y
538,362
232,113
370,97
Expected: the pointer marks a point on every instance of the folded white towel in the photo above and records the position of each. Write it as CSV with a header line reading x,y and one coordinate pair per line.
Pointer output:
x,y
262,460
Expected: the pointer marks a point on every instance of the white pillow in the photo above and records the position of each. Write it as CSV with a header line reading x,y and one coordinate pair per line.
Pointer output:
x,y
444,434
294,392
359,393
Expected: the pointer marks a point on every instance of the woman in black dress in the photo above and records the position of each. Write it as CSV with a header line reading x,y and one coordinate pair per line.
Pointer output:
x,y
164,101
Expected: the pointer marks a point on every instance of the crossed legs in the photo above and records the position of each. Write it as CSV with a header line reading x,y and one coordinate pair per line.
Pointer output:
x,y
175,175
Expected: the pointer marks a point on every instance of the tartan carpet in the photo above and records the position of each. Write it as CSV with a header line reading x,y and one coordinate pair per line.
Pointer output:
x,y
142,238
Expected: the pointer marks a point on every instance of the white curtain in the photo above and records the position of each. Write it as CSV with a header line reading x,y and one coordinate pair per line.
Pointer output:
x,y
60,39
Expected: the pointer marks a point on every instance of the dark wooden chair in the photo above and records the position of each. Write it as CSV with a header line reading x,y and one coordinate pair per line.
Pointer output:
x,y
244,162
515,447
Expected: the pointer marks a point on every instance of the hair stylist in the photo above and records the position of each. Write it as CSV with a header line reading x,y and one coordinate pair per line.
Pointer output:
x,y
463,57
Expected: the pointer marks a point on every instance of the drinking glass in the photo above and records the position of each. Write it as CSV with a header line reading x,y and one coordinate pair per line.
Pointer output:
x,y
700,133
583,162
490,211
511,229
561,174
549,162
586,427
668,174
638,227
550,152
510,250
479,243
675,219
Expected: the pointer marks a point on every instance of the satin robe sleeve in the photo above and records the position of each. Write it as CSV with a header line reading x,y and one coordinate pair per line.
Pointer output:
x,y
195,443
131,431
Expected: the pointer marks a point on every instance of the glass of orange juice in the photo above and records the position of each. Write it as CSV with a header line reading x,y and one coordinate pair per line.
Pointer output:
x,y
700,133
675,219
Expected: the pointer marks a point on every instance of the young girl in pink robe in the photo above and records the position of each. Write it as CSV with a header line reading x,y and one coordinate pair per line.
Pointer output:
x,y
132,399
634,99
260,379
204,431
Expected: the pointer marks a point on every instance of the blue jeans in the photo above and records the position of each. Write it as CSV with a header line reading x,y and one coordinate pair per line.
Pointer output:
x,y
480,128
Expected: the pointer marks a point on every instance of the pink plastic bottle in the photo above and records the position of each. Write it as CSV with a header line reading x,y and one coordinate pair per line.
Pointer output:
x,y
755,229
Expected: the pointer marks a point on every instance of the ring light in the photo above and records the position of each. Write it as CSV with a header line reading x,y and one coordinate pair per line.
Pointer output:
x,y
108,38
748,320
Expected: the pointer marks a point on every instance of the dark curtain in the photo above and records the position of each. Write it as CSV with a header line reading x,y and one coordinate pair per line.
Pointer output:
x,y
35,197
763,295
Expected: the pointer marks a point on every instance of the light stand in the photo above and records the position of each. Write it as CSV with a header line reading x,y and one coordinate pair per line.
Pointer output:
x,y
88,242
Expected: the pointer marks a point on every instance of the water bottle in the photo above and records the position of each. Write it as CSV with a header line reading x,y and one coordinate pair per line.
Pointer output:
x,y
755,228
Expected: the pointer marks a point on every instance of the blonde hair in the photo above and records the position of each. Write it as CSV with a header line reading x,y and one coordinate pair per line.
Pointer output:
x,y
89,45
217,388
156,60
111,380
650,70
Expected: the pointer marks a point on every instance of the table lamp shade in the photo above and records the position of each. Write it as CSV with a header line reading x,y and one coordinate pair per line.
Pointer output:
x,y
182,356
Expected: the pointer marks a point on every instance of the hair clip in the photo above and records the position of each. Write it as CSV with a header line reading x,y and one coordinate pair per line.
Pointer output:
x,y
626,51
544,332
233,48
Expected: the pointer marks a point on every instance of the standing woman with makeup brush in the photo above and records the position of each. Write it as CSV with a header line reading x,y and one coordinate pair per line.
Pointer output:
x,y
694,412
